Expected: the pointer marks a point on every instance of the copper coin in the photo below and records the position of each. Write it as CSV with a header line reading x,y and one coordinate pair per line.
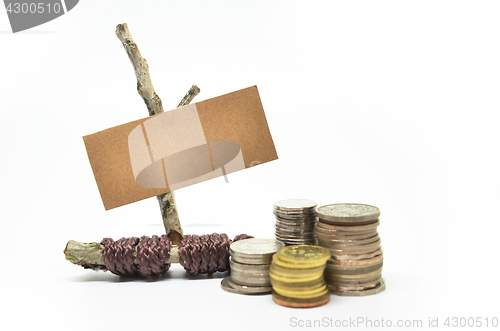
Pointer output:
x,y
353,263
344,235
349,229
352,271
348,212
358,287
379,288
367,275
348,224
343,282
347,242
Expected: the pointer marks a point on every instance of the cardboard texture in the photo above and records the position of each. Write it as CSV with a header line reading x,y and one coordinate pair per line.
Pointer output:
x,y
181,147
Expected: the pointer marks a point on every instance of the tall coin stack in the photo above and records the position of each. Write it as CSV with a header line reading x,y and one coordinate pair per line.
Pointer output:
x,y
297,276
249,263
295,220
349,232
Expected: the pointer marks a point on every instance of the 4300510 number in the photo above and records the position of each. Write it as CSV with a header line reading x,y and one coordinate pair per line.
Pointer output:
x,y
33,8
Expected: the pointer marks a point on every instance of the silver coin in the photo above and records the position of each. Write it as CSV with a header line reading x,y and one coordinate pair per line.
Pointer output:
x,y
234,265
295,204
227,286
255,247
258,260
292,235
294,228
249,289
303,242
293,231
310,239
244,281
249,274
294,217
297,221
224,284
348,212
302,212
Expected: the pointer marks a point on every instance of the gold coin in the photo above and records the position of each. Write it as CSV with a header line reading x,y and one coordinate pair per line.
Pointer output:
x,y
288,265
298,283
313,256
300,287
277,262
294,280
296,273
310,294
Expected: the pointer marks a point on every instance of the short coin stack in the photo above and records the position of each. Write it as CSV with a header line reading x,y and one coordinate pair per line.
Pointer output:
x,y
295,220
349,232
249,262
297,276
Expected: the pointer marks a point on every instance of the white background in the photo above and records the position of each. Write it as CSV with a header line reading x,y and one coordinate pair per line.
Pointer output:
x,y
389,103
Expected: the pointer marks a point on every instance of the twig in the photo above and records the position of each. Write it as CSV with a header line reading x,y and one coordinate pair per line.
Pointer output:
x,y
89,255
141,68
146,90
193,91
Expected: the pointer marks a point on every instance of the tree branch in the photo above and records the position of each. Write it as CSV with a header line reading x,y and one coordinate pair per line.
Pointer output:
x,y
146,90
89,255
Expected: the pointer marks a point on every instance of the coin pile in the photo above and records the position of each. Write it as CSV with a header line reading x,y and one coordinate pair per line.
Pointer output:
x,y
295,220
349,232
297,276
249,263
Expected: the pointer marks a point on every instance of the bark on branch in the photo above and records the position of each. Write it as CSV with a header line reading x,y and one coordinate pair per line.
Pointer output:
x,y
89,255
146,90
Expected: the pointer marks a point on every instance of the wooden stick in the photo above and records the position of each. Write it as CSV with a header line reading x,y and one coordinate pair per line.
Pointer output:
x,y
89,255
141,68
146,90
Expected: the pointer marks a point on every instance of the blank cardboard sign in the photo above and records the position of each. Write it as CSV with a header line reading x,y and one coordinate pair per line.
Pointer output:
x,y
181,147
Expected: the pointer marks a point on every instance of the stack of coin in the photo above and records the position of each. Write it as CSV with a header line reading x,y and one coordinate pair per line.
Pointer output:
x,y
295,220
249,263
297,276
349,232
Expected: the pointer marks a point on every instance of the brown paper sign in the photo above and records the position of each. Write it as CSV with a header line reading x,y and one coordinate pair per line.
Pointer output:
x,y
181,147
